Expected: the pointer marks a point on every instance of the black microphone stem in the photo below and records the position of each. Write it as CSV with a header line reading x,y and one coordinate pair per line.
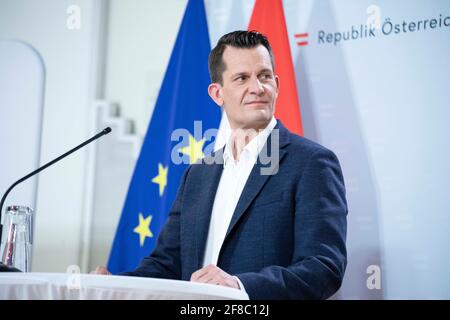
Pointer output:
x,y
98,135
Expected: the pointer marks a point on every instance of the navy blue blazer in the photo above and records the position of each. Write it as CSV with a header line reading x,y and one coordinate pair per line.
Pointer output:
x,y
286,239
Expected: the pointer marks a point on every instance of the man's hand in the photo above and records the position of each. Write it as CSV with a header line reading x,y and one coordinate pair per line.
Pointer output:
x,y
101,270
214,275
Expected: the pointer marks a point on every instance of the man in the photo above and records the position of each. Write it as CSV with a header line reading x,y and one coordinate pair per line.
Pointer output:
x,y
277,234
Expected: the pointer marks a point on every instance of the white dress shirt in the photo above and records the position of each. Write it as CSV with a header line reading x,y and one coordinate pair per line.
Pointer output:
x,y
234,177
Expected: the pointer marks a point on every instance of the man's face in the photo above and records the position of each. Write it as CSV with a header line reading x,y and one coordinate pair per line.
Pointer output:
x,y
249,88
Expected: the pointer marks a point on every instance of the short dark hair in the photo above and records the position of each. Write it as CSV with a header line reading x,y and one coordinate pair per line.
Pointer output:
x,y
237,39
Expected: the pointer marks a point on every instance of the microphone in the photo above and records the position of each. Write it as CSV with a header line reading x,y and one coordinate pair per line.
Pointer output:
x,y
98,135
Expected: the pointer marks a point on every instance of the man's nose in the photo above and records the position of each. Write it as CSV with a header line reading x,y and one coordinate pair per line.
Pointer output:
x,y
255,86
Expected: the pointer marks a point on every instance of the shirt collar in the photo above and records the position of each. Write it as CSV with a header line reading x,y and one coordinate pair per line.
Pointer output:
x,y
254,147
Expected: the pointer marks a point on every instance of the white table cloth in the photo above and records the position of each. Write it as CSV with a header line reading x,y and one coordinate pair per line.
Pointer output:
x,y
87,286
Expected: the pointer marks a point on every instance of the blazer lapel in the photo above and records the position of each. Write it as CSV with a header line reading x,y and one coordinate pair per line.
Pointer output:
x,y
256,180
210,182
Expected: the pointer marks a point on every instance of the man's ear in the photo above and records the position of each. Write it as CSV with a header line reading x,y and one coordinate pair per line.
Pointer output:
x,y
277,81
214,91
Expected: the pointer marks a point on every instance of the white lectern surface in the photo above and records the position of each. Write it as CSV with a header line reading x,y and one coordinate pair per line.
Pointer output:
x,y
61,286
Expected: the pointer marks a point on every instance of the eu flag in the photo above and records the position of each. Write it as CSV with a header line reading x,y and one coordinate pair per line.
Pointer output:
x,y
183,99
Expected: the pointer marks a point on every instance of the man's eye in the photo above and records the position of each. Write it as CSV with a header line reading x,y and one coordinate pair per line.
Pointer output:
x,y
267,76
241,78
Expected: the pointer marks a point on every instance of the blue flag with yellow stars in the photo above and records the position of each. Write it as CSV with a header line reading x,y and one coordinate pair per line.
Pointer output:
x,y
183,103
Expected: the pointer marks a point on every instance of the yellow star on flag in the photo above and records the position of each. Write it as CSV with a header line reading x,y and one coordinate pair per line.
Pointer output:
x,y
194,149
161,178
143,229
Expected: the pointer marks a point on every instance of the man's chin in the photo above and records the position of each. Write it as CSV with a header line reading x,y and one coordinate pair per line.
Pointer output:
x,y
258,119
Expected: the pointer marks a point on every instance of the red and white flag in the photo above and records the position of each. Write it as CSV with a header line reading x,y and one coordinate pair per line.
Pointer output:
x,y
268,18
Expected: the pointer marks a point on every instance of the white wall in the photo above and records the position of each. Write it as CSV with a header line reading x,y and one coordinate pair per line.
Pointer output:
x,y
141,35
70,60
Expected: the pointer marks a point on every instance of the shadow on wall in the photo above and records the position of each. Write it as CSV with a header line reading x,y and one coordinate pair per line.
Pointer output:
x,y
330,118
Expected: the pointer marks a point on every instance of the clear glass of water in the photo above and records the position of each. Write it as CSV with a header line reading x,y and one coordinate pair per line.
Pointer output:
x,y
17,237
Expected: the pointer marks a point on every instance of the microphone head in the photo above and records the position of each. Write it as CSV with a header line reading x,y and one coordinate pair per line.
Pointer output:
x,y
107,130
